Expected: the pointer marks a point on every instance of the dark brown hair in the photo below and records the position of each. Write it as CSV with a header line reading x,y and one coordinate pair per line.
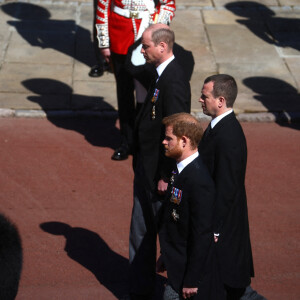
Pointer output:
x,y
225,86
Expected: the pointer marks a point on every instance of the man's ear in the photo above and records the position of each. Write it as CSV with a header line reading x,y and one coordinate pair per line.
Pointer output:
x,y
163,47
184,140
221,102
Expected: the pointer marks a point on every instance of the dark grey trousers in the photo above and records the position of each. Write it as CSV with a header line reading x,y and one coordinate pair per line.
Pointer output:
x,y
143,236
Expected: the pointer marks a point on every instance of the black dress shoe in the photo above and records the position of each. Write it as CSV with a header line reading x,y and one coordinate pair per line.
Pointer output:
x,y
121,153
96,71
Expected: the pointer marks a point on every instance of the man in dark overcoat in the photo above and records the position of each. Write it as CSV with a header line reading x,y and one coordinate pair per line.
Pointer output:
x,y
169,93
224,151
186,236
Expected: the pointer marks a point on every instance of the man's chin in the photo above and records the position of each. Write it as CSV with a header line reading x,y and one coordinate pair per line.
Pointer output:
x,y
206,112
169,155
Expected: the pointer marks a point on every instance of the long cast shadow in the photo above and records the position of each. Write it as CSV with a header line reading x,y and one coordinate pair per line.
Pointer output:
x,y
263,22
279,97
92,252
53,95
36,27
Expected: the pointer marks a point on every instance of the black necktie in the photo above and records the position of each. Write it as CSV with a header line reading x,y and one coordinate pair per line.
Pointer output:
x,y
153,83
156,76
207,131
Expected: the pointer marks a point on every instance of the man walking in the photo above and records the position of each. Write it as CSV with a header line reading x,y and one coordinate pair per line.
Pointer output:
x,y
169,93
119,23
186,236
224,151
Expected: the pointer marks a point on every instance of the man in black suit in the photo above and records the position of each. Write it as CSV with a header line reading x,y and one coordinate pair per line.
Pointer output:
x,y
186,235
224,151
169,93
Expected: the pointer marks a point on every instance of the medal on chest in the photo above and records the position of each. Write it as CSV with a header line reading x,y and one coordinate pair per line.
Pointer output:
x,y
175,215
176,195
153,101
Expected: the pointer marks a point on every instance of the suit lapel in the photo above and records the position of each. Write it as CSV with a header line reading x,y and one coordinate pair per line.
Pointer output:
x,y
185,171
154,85
147,102
223,121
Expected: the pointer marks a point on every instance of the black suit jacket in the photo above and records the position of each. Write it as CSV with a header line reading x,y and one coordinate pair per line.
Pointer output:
x,y
224,151
187,244
174,96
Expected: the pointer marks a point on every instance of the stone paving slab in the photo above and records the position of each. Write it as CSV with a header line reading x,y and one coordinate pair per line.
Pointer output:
x,y
49,102
13,74
87,91
241,2
39,51
260,70
294,65
49,42
193,3
235,44
225,17
289,2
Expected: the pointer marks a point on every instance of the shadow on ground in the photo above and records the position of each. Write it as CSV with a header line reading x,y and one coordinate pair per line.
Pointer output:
x,y
55,97
35,26
263,22
277,96
92,252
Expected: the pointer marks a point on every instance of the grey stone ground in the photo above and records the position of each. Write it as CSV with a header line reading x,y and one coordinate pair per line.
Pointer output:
x,y
46,54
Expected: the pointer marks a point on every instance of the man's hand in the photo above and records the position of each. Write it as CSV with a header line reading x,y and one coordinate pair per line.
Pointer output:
x,y
162,187
189,292
216,237
105,52
160,266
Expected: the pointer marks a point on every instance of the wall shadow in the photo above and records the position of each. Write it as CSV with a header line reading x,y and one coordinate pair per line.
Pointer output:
x,y
55,96
92,252
277,96
262,21
35,26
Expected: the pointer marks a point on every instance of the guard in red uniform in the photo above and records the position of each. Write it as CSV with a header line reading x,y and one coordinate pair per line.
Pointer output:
x,y
119,24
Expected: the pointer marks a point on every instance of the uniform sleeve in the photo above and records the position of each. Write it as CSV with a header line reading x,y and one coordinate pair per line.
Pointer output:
x,y
102,17
166,11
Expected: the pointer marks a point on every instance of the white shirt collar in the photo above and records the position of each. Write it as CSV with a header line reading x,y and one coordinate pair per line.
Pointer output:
x,y
163,65
216,120
181,165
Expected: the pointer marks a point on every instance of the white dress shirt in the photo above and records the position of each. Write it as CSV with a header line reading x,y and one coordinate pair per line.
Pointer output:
x,y
216,120
163,65
181,165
